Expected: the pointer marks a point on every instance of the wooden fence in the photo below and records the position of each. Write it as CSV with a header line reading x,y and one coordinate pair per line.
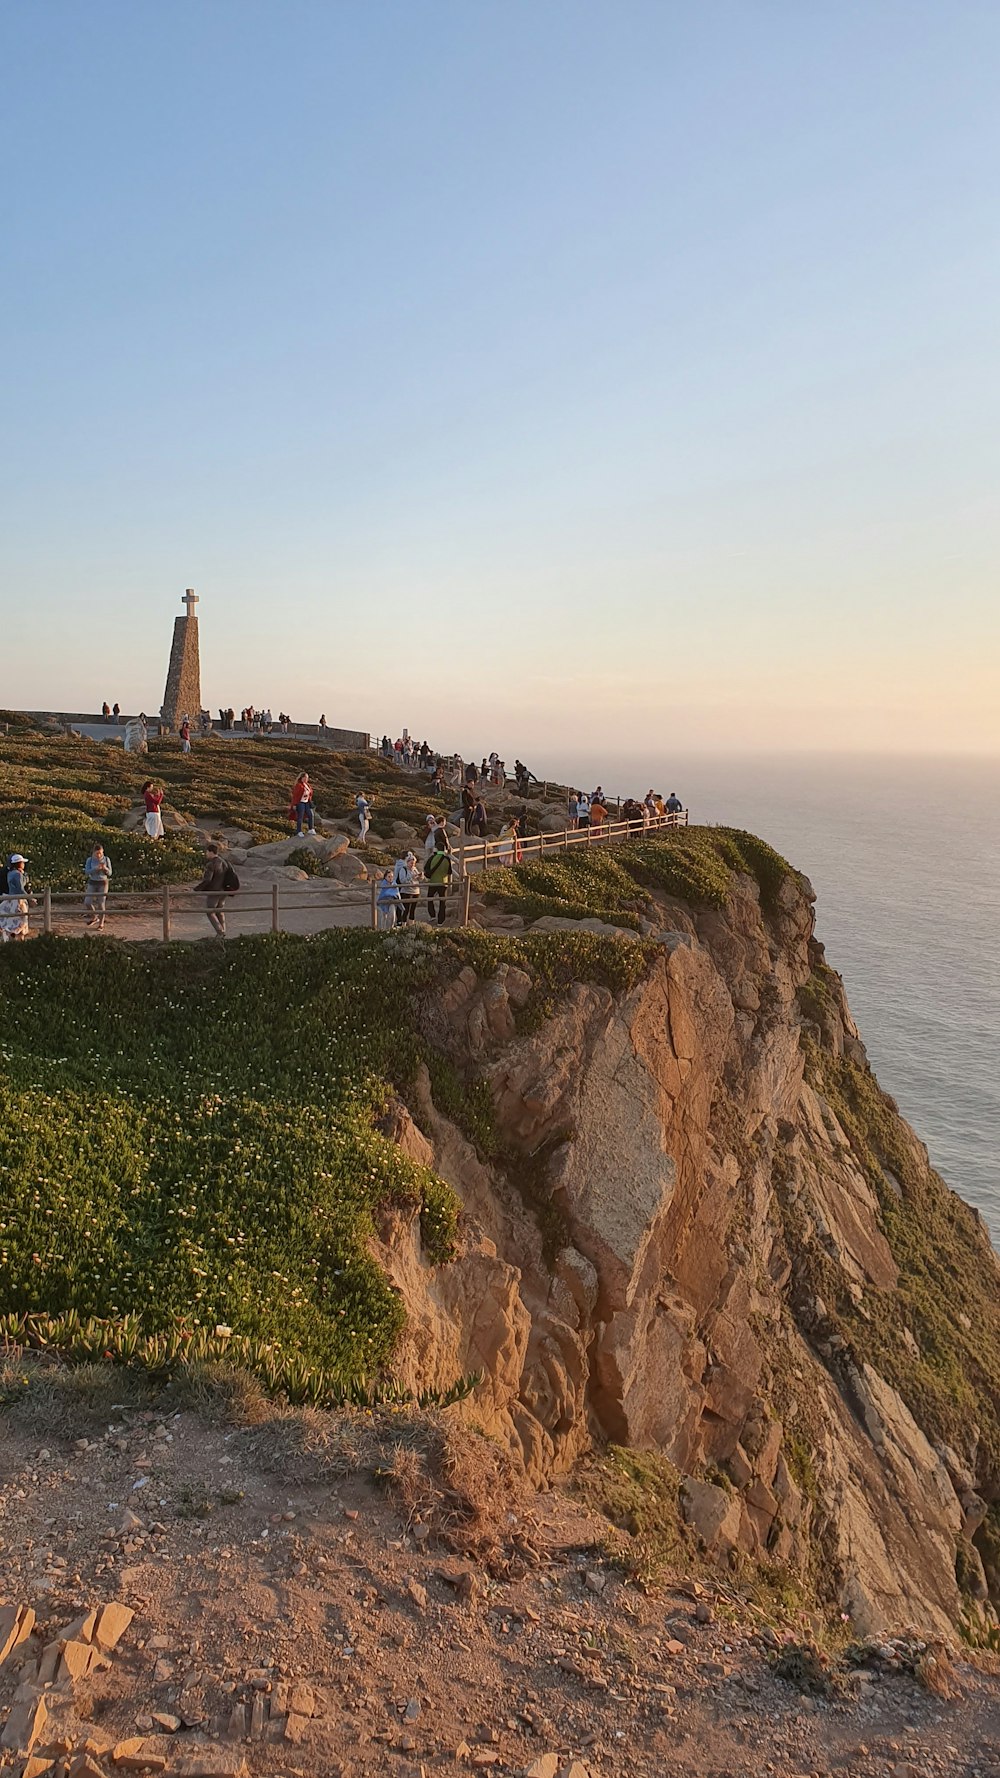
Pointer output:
x,y
281,907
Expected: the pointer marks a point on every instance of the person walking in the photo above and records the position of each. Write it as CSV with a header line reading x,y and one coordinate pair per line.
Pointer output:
x,y
407,880
213,887
438,870
468,805
185,733
152,799
509,848
98,873
388,904
364,809
302,806
14,902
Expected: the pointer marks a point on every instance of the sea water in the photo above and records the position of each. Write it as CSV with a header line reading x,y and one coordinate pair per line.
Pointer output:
x,y
904,855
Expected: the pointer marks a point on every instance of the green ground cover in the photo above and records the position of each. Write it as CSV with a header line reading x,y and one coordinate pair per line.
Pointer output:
x,y
614,882
189,1137
60,794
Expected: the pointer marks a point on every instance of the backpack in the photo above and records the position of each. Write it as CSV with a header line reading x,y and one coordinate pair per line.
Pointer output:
x,y
230,880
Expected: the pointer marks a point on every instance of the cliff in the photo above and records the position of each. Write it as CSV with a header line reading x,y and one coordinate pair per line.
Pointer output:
x,y
692,1222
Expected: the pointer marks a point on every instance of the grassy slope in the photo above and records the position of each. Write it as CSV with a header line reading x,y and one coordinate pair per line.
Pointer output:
x,y
59,794
694,864
188,1137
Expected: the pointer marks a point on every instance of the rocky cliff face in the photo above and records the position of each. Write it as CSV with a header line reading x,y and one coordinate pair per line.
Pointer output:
x,y
696,1234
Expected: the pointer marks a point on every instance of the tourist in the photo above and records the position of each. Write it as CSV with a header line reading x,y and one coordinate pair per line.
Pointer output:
x,y
14,901
582,809
98,873
468,805
437,782
213,886
432,825
185,733
674,804
106,711
438,870
302,806
152,799
631,811
267,722
598,811
116,712
407,880
364,809
322,725
388,904
509,848
205,723
479,818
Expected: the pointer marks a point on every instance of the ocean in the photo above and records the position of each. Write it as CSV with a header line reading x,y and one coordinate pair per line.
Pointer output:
x,y
904,855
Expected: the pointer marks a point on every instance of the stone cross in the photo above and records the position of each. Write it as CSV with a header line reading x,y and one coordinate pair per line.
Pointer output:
x,y
190,599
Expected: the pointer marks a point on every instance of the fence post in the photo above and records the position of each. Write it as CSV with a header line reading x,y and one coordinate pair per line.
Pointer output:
x,y
374,905
466,896
275,909
47,910
166,912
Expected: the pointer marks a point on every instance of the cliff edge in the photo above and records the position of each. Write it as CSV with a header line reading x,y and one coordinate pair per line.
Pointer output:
x,y
692,1222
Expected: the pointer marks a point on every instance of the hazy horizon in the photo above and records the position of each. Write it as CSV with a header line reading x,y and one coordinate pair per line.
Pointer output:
x,y
536,371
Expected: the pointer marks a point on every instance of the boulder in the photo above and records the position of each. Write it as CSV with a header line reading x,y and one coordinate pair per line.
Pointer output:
x,y
558,923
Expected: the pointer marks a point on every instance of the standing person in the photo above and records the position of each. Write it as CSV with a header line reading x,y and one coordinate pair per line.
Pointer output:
x,y
14,901
509,849
302,805
438,870
98,873
598,811
185,734
480,819
582,809
106,711
364,809
152,799
432,825
407,880
116,712
674,804
468,806
388,904
213,886
322,725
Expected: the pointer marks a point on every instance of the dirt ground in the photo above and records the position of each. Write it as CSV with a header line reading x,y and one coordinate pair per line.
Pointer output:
x,y
295,1615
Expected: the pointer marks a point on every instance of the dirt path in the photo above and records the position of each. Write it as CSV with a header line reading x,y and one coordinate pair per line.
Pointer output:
x,y
288,1614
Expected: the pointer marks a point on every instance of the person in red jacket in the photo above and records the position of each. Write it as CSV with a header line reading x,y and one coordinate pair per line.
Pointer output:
x,y
302,805
154,820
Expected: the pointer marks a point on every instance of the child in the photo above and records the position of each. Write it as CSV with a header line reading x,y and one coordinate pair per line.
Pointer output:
x,y
388,902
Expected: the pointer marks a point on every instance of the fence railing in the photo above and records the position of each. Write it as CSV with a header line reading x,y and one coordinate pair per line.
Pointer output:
x,y
277,906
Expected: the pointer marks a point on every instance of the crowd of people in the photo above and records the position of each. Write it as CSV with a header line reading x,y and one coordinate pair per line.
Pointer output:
x,y
398,890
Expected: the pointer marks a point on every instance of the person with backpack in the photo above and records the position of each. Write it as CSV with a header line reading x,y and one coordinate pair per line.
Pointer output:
x,y
219,880
98,873
438,871
14,900
152,799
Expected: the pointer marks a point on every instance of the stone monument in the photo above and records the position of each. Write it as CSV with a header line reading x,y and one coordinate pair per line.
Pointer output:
x,y
183,694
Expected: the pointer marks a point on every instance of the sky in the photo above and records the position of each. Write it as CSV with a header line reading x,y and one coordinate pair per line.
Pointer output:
x,y
518,371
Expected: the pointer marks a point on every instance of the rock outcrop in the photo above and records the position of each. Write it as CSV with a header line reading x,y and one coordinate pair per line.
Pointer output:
x,y
678,1244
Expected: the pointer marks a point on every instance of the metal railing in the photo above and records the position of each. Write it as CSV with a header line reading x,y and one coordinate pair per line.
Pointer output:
x,y
277,906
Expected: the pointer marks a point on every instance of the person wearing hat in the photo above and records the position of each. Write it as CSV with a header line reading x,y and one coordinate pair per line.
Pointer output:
x,y
14,904
407,880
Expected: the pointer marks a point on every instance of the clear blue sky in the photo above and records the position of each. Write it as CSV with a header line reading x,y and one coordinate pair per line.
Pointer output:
x,y
508,367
